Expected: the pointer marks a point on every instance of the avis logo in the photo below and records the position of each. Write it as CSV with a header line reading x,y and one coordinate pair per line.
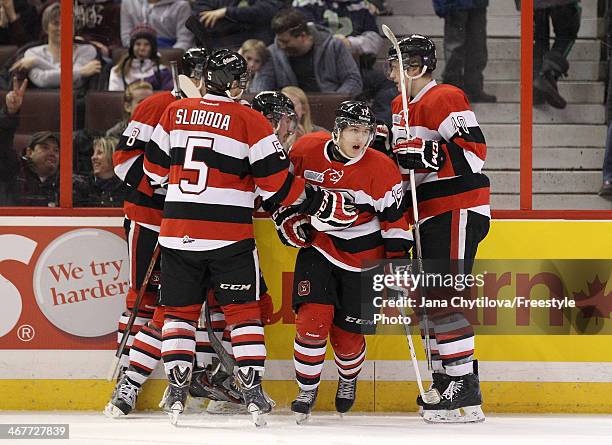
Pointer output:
x,y
595,303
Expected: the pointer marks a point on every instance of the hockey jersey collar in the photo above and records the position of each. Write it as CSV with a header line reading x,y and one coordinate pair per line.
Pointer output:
x,y
349,162
425,89
209,96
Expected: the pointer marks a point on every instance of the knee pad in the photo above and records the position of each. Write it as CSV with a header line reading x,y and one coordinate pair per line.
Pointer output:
x,y
188,313
313,321
241,313
147,302
345,343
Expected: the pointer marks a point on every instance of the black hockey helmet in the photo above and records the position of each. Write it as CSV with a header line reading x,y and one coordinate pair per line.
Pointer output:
x,y
413,46
223,68
273,105
354,113
194,61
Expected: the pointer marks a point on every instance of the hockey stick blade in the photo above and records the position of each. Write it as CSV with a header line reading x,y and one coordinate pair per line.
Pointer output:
x,y
187,87
389,35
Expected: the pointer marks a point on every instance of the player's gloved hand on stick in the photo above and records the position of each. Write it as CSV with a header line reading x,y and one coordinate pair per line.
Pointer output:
x,y
416,153
293,228
328,206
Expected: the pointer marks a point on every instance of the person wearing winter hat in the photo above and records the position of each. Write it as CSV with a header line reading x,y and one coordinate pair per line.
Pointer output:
x,y
141,62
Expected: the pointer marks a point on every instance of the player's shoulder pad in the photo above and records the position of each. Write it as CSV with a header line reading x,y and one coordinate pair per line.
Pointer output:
x,y
379,162
448,95
149,111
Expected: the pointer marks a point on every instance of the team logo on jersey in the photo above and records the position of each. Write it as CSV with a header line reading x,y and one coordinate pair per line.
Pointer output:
x,y
398,194
313,176
334,175
303,288
155,278
187,240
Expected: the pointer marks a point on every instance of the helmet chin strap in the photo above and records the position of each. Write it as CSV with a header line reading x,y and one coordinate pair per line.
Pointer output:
x,y
236,97
423,71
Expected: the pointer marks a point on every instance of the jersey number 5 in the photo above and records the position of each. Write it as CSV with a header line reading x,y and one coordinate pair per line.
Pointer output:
x,y
198,185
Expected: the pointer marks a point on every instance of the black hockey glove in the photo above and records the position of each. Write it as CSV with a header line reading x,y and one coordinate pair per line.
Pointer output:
x,y
293,228
329,207
416,153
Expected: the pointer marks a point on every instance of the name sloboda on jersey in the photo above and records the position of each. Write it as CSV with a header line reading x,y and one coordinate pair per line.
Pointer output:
x,y
203,117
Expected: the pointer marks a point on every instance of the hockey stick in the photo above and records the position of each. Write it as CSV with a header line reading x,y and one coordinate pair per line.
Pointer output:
x,y
199,32
415,210
114,369
176,91
227,361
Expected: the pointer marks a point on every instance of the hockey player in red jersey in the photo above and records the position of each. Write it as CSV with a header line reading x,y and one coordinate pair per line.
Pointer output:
x,y
447,150
212,153
327,294
143,211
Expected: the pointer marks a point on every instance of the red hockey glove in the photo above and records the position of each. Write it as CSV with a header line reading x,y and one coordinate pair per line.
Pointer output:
x,y
419,154
328,206
293,228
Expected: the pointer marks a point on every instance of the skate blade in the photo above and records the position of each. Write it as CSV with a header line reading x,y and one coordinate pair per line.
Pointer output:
x,y
259,419
467,414
112,412
174,412
420,411
301,418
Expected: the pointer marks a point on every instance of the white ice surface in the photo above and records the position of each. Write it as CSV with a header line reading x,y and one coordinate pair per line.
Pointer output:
x,y
154,428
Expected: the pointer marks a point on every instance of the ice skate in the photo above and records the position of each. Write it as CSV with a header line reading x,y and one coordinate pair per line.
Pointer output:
x,y
345,395
460,402
123,400
175,396
303,404
256,401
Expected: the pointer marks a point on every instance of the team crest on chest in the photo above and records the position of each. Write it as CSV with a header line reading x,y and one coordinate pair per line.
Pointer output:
x,y
331,174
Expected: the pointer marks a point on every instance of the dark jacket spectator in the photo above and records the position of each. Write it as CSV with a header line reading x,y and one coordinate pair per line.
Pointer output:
x,y
307,56
20,24
231,22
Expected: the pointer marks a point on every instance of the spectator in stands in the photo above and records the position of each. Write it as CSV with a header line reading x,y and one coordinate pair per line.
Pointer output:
x,y
19,22
302,110
134,94
352,22
43,62
549,64
307,55
98,21
465,45
141,62
166,17
256,53
36,182
102,188
606,186
231,22
9,120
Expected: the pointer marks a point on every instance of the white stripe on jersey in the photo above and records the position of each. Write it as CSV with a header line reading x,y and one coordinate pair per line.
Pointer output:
x,y
121,170
162,139
155,179
264,148
352,232
212,195
448,127
222,144
475,162
397,233
140,131
187,243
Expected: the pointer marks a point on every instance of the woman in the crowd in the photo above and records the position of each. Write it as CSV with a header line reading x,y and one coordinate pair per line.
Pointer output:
x,y
302,109
42,62
256,53
135,93
102,188
141,62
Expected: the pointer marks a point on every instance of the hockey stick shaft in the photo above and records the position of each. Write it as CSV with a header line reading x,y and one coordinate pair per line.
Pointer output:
x,y
415,209
176,90
227,361
114,370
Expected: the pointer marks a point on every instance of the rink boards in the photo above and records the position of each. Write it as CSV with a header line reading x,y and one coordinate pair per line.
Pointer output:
x,y
68,274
